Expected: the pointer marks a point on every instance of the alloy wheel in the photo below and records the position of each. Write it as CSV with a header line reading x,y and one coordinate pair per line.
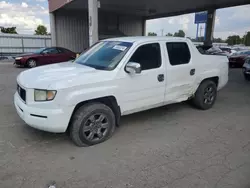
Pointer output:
x,y
209,95
96,127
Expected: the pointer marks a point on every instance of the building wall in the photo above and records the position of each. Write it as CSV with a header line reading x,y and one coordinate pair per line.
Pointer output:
x,y
72,30
131,26
16,44
72,27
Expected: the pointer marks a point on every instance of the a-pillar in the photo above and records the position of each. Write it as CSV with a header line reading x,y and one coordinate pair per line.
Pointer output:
x,y
210,27
53,28
93,21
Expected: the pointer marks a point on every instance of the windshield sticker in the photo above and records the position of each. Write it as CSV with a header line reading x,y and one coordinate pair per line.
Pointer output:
x,y
119,47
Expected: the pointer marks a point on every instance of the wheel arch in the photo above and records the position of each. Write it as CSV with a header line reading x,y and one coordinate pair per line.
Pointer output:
x,y
215,79
36,59
110,101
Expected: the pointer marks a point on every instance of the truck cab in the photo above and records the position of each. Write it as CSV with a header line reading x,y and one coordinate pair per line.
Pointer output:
x,y
117,77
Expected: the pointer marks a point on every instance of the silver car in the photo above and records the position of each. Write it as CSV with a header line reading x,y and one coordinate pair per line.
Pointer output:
x,y
246,68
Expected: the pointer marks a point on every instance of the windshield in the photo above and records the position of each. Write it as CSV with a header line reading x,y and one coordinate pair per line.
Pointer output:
x,y
246,52
104,55
241,53
39,51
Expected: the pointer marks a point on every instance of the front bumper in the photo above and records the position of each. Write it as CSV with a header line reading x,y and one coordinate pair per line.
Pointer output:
x,y
18,62
50,120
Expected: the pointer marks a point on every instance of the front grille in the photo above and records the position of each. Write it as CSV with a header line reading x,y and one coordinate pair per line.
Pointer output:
x,y
21,92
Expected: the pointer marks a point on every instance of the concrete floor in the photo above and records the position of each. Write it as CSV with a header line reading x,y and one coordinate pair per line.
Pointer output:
x,y
174,146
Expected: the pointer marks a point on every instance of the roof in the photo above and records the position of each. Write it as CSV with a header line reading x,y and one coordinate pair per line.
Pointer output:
x,y
146,39
149,9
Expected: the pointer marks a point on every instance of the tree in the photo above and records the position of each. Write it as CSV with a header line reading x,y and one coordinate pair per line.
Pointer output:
x,y
219,40
246,39
180,33
234,39
152,34
169,34
41,30
9,30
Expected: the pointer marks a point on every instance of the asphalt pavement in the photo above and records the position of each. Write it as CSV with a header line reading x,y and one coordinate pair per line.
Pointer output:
x,y
175,146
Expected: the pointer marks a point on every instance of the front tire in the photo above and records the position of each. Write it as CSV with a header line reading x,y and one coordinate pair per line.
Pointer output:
x,y
205,95
92,124
31,63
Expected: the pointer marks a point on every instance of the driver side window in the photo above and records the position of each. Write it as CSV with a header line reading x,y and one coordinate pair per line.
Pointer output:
x,y
148,56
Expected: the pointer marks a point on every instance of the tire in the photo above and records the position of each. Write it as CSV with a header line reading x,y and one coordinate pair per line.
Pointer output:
x,y
31,63
92,124
205,95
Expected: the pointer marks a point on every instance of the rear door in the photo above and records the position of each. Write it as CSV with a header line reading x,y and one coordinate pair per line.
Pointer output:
x,y
181,72
65,55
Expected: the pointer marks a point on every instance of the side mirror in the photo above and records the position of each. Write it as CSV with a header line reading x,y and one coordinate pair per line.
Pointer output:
x,y
133,68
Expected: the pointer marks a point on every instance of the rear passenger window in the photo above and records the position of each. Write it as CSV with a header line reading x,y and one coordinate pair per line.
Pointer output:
x,y
178,53
148,55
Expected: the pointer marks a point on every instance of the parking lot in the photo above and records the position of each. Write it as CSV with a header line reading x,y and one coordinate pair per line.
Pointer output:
x,y
169,147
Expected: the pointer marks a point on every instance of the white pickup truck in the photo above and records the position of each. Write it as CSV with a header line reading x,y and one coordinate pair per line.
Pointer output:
x,y
116,77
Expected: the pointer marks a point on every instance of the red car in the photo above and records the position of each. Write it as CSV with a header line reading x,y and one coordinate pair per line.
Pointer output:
x,y
45,56
238,59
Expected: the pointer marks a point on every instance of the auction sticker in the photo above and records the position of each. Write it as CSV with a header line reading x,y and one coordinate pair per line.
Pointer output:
x,y
119,47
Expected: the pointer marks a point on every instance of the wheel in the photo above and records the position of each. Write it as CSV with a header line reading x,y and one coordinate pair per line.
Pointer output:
x,y
31,63
92,124
205,95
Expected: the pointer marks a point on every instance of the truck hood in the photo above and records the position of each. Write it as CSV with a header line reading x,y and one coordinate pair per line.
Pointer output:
x,y
61,75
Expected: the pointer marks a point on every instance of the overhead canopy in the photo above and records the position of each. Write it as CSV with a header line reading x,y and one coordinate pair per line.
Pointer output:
x,y
148,8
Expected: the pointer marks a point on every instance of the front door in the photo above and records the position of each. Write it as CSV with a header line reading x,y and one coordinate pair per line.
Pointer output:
x,y
144,90
181,72
50,55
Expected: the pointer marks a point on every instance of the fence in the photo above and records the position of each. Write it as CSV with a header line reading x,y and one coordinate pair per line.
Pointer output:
x,y
13,44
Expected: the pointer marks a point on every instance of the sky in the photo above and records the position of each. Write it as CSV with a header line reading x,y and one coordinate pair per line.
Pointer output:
x,y
229,21
26,15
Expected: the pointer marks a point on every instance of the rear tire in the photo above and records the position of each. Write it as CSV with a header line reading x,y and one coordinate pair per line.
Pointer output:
x,y
31,63
92,124
205,95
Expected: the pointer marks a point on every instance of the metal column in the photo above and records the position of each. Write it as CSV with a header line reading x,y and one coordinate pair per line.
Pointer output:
x,y
93,21
144,27
210,27
53,28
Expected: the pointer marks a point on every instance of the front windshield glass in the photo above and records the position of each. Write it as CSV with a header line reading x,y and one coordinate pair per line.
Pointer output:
x,y
246,52
104,55
39,50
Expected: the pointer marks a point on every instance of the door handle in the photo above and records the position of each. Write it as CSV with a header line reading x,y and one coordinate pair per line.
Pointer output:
x,y
160,77
192,72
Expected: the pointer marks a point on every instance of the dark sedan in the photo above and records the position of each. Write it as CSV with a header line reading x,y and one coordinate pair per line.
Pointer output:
x,y
45,56
238,59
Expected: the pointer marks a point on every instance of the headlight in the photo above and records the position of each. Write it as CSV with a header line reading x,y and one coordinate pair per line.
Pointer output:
x,y
44,95
18,58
